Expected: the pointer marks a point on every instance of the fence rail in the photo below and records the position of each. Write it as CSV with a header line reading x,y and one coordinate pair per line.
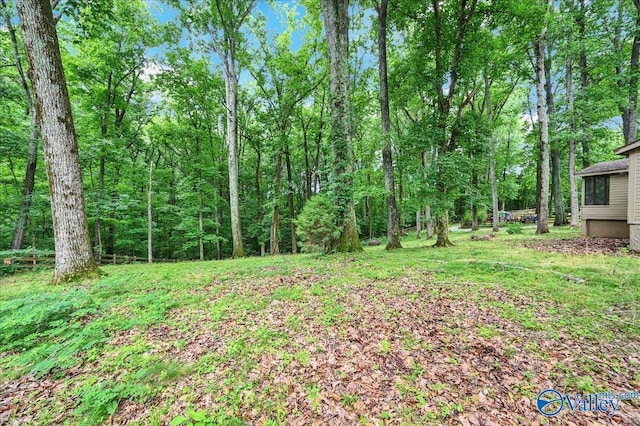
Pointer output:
x,y
104,259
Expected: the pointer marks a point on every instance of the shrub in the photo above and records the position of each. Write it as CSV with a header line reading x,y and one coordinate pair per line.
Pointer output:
x,y
466,220
316,224
515,228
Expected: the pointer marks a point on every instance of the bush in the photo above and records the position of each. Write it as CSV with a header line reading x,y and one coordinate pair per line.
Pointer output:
x,y
515,228
316,224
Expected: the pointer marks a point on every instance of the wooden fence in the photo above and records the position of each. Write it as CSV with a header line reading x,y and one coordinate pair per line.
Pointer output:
x,y
105,259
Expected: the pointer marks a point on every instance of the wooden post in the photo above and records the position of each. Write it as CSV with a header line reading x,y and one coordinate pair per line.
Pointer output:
x,y
114,258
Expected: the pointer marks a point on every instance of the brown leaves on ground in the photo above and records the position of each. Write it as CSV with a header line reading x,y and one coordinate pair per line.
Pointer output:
x,y
301,350
582,245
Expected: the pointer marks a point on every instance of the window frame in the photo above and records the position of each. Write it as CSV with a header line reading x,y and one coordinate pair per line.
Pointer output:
x,y
597,190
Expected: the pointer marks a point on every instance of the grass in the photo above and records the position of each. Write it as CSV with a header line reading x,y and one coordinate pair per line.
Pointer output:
x,y
276,338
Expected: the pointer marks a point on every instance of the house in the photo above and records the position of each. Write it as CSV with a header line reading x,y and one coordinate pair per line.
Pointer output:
x,y
611,197
632,151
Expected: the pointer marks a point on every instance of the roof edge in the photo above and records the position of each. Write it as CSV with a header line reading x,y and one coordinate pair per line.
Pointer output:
x,y
606,168
623,150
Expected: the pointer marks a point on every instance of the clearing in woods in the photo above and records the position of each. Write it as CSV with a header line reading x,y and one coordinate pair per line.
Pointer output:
x,y
466,335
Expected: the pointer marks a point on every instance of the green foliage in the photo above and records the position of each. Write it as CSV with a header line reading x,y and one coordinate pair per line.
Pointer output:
x,y
515,228
203,418
98,401
316,224
47,330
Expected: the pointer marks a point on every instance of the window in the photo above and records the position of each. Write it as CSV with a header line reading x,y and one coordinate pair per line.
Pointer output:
x,y
596,191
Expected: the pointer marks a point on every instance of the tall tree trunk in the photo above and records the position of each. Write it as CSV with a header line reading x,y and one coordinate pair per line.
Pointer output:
x,y
418,223
495,208
393,231
429,223
149,219
275,222
74,257
100,199
231,86
573,185
291,200
556,187
307,159
630,115
474,214
32,156
543,121
259,200
336,19
584,82
28,184
200,223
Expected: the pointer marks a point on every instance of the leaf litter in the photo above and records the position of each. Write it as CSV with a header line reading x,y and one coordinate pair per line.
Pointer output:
x,y
303,350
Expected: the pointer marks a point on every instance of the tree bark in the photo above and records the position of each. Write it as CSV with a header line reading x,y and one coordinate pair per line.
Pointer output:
x,y
427,219
584,83
34,133
149,219
231,86
291,200
393,230
495,208
418,224
543,121
630,115
74,257
442,230
259,199
336,19
556,187
573,185
275,222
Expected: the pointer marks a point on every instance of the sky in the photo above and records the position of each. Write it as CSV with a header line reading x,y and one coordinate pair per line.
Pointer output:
x,y
274,19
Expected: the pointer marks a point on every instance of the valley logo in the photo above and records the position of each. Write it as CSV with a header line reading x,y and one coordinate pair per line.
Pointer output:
x,y
550,402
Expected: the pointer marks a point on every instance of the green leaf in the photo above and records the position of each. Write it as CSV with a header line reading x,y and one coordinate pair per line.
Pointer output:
x,y
198,416
178,420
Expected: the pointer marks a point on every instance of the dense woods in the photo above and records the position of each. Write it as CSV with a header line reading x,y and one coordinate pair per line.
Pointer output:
x,y
204,128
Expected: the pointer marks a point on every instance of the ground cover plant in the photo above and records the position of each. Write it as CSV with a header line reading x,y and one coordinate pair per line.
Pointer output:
x,y
465,335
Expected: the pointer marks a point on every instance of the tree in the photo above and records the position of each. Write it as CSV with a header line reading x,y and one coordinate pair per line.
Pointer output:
x,y
221,22
111,60
543,121
393,231
336,19
34,134
74,257
285,80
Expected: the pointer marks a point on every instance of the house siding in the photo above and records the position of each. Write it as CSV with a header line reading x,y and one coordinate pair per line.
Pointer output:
x,y
618,201
634,200
634,177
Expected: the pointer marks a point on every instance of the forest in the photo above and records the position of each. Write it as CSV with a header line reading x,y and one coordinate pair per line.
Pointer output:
x,y
205,128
